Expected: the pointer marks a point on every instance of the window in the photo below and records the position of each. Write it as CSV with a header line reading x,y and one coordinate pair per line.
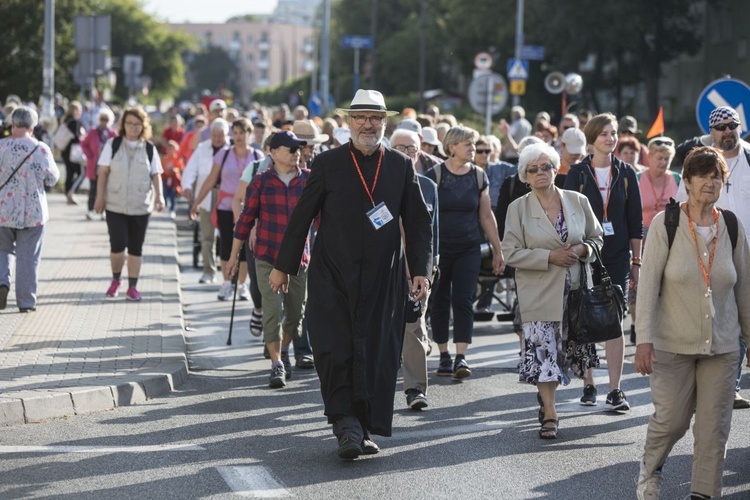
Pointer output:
x,y
250,77
250,58
263,74
249,39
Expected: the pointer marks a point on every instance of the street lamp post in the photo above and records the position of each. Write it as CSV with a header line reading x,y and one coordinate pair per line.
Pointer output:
x,y
48,69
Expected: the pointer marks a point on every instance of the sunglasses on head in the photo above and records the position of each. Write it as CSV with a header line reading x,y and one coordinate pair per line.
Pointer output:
x,y
723,126
662,142
544,167
483,151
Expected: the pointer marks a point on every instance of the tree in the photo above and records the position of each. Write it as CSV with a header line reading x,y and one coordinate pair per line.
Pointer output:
x,y
211,69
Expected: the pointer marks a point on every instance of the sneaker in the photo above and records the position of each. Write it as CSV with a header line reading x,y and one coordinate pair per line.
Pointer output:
x,y
172,215
415,399
133,294
589,396
244,292
277,379
740,403
616,401
90,215
445,369
305,362
112,291
225,292
207,278
648,488
3,296
26,309
461,370
287,364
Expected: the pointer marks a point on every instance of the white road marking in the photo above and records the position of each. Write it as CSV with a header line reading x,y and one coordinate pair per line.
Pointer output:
x,y
452,431
252,481
99,449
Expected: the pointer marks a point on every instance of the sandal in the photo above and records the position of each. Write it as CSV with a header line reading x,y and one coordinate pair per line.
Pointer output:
x,y
541,408
549,432
256,323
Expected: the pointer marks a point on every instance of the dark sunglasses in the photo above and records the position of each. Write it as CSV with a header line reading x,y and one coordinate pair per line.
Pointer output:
x,y
544,167
723,126
293,149
661,142
483,151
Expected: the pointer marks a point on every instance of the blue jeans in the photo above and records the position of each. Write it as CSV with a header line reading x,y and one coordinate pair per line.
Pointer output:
x,y
459,272
302,343
26,246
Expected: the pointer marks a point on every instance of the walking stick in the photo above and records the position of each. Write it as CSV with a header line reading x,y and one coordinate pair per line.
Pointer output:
x,y
234,300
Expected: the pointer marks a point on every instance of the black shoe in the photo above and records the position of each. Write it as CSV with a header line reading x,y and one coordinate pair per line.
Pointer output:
x,y
277,379
369,447
305,362
461,370
589,396
632,334
445,369
3,297
349,448
26,309
616,401
287,364
415,399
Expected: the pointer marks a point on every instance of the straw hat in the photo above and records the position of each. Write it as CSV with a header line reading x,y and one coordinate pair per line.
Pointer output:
x,y
306,131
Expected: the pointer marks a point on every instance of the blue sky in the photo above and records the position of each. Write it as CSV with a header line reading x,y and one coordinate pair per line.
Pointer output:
x,y
206,11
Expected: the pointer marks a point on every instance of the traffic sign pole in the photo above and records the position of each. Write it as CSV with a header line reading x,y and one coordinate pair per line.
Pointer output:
x,y
356,70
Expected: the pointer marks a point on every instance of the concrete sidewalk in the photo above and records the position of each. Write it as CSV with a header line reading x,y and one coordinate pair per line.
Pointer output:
x,y
81,352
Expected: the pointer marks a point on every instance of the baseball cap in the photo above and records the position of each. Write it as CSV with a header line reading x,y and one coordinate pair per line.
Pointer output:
x,y
412,125
217,104
628,124
285,138
574,140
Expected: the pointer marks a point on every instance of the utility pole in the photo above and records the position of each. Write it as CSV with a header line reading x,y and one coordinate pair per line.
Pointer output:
x,y
422,52
325,56
374,35
519,41
48,69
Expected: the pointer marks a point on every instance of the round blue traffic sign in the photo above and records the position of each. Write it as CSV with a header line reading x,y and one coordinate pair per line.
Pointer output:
x,y
724,92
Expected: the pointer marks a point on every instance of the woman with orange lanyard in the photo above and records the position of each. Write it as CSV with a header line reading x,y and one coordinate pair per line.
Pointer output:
x,y
657,187
612,189
226,170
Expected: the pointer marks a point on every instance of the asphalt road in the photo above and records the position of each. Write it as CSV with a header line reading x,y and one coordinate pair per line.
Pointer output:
x,y
225,434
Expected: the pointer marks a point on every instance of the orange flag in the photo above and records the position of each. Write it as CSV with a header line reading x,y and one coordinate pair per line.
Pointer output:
x,y
658,127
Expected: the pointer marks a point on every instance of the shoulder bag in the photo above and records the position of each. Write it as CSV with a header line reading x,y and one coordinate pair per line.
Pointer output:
x,y
19,166
62,137
595,314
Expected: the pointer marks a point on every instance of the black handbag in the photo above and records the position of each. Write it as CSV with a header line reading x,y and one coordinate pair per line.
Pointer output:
x,y
595,314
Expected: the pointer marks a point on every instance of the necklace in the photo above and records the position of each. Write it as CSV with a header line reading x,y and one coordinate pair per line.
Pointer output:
x,y
731,170
548,208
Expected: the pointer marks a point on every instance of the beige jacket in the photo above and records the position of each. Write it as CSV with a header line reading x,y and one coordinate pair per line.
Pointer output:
x,y
129,187
673,311
529,238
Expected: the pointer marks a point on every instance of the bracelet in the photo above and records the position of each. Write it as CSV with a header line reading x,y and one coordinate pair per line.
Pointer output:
x,y
637,264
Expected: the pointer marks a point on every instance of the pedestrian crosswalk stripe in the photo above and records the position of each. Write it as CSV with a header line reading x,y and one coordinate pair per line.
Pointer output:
x,y
100,449
252,481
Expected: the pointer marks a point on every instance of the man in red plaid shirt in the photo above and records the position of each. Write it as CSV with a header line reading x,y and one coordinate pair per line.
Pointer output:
x,y
270,198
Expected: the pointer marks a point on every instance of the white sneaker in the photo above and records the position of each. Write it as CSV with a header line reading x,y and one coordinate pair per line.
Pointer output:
x,y
225,292
90,215
207,278
648,487
244,292
173,215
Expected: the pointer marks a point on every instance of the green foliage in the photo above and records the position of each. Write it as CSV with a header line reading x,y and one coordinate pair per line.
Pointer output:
x,y
212,69
133,32
275,96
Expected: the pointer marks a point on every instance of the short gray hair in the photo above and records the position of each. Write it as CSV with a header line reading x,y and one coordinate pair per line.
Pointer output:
x,y
401,132
24,117
220,124
532,153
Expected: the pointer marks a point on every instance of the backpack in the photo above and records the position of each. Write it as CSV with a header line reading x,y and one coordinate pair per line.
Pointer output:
x,y
585,177
477,171
672,220
117,142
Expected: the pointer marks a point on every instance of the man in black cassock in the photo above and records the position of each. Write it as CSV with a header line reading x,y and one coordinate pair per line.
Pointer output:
x,y
357,284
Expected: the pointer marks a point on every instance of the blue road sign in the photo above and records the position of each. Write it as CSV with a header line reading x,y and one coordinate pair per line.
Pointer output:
x,y
357,42
724,92
532,52
518,69
315,104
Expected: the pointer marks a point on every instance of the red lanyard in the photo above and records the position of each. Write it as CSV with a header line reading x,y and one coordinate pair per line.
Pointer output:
x,y
653,190
706,274
609,185
362,177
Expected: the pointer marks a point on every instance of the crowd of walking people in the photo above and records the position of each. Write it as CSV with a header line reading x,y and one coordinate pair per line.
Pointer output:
x,y
359,241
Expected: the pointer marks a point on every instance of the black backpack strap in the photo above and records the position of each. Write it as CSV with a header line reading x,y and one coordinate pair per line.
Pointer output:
x,y
223,161
671,220
150,151
116,142
731,221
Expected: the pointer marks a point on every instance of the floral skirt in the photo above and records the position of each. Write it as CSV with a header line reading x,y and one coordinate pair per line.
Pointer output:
x,y
549,358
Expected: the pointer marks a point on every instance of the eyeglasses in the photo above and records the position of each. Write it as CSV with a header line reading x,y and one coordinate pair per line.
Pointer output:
x,y
361,119
406,149
662,142
483,151
544,167
723,126
133,124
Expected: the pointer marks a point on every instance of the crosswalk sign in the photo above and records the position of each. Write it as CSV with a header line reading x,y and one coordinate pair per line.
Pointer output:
x,y
518,69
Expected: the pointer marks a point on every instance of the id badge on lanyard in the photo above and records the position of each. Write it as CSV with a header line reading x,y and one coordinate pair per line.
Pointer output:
x,y
379,216
609,230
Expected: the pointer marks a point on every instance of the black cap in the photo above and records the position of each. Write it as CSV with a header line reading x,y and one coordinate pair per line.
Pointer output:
x,y
285,138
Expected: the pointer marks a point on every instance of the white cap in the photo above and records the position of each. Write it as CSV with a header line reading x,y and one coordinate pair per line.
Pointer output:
x,y
574,140
217,104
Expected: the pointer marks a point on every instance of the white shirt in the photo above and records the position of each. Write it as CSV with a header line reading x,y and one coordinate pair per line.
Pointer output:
x,y
603,178
197,170
735,195
105,159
